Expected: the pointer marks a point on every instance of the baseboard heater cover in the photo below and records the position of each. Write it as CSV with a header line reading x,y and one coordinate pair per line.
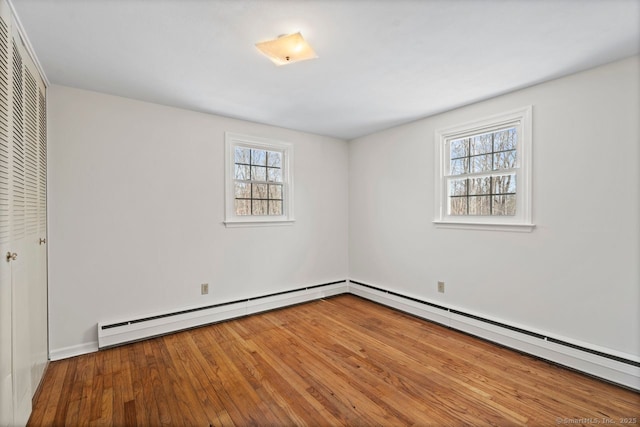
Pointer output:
x,y
124,331
620,369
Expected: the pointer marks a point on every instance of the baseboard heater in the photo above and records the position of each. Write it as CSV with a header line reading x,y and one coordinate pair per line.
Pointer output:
x,y
619,368
115,333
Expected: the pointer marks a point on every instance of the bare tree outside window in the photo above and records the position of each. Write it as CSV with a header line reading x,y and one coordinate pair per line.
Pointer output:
x,y
482,177
257,182
259,188
484,173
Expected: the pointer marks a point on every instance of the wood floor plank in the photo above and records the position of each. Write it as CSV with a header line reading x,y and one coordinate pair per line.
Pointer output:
x,y
207,395
118,389
250,368
77,384
239,382
186,382
56,406
329,347
398,362
155,382
45,408
340,361
130,416
145,403
294,391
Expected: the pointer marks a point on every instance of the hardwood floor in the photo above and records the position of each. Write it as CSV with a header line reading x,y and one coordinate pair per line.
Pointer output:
x,y
340,361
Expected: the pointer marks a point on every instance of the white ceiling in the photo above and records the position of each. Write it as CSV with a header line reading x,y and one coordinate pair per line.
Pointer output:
x,y
381,62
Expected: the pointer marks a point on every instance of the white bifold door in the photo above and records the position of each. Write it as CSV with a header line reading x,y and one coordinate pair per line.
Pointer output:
x,y
23,225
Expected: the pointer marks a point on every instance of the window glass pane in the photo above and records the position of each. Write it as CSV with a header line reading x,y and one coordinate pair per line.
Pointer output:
x,y
257,180
259,191
275,192
459,148
258,157
458,187
459,166
481,163
504,184
480,205
504,205
504,160
485,177
242,172
243,207
258,173
274,159
457,206
481,144
242,155
275,208
259,207
499,140
479,186
274,175
242,190
505,140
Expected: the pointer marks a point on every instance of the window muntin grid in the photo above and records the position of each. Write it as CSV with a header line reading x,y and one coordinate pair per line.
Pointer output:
x,y
258,182
482,177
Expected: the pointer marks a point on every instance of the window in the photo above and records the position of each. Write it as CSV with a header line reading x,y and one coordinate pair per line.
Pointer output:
x,y
483,179
259,183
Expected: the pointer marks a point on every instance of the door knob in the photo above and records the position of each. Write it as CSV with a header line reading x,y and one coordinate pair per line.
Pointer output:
x,y
11,256
42,241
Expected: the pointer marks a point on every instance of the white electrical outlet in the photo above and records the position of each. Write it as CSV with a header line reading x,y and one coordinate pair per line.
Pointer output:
x,y
441,287
204,288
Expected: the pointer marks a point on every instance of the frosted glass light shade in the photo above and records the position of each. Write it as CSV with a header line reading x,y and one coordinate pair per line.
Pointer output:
x,y
287,49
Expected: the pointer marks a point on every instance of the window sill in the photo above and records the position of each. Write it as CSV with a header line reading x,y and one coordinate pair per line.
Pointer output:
x,y
493,226
258,223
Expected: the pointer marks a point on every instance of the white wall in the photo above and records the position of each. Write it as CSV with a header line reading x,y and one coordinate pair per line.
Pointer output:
x,y
136,209
136,204
576,275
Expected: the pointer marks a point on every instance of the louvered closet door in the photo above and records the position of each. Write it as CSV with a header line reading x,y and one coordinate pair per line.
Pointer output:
x,y
35,222
28,219
23,284
19,244
6,377
39,298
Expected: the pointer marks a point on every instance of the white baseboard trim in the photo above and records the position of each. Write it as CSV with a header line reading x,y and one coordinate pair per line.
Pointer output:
x,y
563,351
72,351
616,367
271,303
149,325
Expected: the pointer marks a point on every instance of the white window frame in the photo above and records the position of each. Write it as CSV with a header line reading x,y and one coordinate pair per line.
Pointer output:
x,y
233,140
522,220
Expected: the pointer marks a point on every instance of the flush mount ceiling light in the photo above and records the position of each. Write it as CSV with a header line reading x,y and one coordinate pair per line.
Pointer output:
x,y
287,49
